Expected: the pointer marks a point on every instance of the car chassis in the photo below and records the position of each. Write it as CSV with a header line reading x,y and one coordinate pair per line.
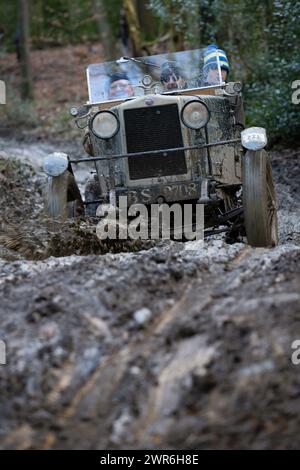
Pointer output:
x,y
218,165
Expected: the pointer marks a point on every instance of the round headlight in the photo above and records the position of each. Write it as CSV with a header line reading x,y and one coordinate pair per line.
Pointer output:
x,y
56,163
195,114
105,124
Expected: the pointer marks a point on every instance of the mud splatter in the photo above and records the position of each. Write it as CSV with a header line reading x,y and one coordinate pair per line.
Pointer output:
x,y
207,364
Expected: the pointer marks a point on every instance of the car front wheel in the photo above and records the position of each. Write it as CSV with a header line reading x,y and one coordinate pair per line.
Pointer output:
x,y
62,197
259,200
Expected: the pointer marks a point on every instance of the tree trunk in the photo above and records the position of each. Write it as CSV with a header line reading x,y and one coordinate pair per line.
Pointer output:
x,y
71,23
147,21
177,36
26,88
107,39
134,27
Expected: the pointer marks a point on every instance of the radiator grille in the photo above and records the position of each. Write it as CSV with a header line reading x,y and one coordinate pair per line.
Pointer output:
x,y
154,128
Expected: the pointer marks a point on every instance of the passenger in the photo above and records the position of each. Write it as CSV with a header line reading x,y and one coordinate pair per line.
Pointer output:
x,y
210,69
120,86
172,77
211,77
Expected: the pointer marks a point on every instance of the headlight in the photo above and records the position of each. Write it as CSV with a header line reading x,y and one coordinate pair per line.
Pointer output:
x,y
195,114
254,138
55,164
105,124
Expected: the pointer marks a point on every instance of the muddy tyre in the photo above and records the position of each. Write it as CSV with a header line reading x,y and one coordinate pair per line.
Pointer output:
x,y
259,200
62,197
92,192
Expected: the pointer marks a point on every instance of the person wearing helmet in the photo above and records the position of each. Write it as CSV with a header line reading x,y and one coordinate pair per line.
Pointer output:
x,y
211,76
211,70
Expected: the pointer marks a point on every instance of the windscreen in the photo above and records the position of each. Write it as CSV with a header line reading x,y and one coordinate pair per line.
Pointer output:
x,y
125,78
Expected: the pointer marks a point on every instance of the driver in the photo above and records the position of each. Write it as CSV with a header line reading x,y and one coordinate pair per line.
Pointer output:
x,y
120,86
171,76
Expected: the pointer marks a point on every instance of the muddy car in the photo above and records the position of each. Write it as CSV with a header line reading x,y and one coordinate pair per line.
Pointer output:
x,y
163,142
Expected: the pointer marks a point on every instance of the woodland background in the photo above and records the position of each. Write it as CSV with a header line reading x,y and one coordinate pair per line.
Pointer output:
x,y
45,47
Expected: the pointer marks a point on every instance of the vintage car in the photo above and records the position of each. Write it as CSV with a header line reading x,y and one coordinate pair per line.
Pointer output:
x,y
159,143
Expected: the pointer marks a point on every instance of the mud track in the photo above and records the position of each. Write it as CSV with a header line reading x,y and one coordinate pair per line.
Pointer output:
x,y
169,346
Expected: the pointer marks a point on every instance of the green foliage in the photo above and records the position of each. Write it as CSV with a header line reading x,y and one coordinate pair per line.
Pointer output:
x,y
58,22
9,11
270,94
179,17
113,13
262,42
261,39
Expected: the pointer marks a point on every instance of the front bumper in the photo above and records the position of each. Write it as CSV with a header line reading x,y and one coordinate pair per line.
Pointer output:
x,y
155,152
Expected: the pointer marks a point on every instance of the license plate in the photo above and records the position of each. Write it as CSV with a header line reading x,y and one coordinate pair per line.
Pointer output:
x,y
170,192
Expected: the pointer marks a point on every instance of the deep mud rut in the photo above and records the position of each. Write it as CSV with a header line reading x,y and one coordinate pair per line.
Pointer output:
x,y
173,345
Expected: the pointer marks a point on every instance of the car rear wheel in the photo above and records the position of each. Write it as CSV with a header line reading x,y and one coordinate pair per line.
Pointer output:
x,y
62,197
259,200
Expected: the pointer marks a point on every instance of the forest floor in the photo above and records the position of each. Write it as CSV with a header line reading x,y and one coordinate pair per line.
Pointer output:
x,y
172,345
59,77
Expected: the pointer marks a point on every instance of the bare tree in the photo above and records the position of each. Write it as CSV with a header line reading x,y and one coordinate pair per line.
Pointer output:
x,y
148,23
104,29
26,88
133,27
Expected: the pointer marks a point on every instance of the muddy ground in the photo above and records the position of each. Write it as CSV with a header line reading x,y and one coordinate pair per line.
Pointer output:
x,y
178,346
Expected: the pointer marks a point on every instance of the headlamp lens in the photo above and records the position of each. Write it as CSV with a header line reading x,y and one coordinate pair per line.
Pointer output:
x,y
105,124
195,114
